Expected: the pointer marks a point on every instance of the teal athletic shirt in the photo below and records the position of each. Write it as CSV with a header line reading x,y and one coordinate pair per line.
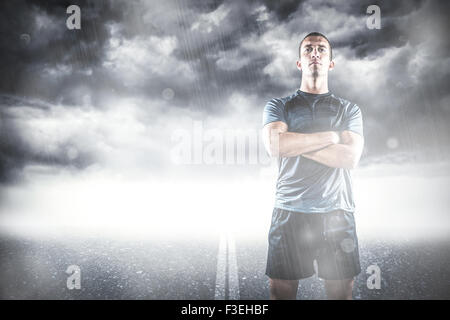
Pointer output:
x,y
304,185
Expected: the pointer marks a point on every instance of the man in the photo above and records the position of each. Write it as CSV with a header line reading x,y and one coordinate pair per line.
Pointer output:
x,y
317,138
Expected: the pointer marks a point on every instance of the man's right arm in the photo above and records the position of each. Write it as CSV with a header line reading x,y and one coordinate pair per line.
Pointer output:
x,y
281,143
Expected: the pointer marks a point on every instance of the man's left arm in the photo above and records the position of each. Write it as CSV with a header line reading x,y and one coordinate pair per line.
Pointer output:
x,y
345,154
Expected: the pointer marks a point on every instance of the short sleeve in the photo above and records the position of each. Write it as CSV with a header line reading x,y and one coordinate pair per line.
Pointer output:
x,y
353,120
273,111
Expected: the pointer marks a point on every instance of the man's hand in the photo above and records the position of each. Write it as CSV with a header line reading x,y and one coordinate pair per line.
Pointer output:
x,y
336,137
281,143
345,154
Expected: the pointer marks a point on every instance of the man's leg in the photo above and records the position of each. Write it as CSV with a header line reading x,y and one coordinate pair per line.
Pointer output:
x,y
290,254
283,289
339,289
339,256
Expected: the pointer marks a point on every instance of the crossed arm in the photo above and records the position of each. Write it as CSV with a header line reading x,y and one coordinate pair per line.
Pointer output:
x,y
334,149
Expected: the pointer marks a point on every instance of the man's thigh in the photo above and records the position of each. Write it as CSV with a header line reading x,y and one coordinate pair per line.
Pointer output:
x,y
338,256
339,289
283,289
291,250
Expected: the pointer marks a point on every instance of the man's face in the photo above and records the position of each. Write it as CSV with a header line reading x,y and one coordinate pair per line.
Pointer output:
x,y
315,56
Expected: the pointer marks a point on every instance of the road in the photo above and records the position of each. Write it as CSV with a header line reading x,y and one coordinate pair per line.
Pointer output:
x,y
222,266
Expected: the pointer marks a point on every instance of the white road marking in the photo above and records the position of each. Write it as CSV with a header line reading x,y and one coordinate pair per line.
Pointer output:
x,y
221,269
227,281
233,280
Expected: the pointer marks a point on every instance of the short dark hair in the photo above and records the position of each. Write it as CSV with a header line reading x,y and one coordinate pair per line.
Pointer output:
x,y
316,34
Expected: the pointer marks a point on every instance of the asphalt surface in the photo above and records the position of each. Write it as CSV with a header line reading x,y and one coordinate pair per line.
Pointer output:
x,y
175,268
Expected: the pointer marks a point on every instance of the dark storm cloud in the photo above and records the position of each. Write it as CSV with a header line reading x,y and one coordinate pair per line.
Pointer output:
x,y
26,59
22,64
363,41
34,37
395,8
31,47
17,151
282,9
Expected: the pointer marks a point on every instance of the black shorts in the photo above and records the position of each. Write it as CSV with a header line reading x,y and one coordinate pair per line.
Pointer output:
x,y
297,239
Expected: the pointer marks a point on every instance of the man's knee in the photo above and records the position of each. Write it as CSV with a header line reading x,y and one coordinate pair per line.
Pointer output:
x,y
283,289
339,289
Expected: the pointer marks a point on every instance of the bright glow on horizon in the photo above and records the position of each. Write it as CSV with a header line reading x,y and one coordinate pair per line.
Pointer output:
x,y
399,206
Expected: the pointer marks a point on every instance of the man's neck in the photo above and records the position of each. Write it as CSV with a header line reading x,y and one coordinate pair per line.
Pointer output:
x,y
315,85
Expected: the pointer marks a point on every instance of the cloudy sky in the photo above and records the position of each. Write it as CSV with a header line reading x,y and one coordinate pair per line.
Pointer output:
x,y
125,90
